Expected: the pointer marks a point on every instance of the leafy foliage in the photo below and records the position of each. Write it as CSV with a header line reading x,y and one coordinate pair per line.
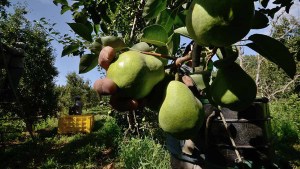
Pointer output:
x,y
3,4
125,19
76,86
143,153
36,90
282,111
157,22
286,129
271,81
278,4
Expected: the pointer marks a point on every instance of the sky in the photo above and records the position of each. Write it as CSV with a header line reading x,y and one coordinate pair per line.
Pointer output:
x,y
46,8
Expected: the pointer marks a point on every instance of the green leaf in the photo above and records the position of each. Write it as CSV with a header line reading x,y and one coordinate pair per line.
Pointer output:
x,y
96,28
259,21
69,49
155,34
64,8
141,46
95,47
88,62
82,30
274,51
180,20
104,27
153,7
113,41
105,17
166,19
264,3
173,44
76,5
182,31
63,2
113,6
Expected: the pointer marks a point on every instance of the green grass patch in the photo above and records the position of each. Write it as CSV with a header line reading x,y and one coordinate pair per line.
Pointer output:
x,y
286,130
80,150
143,154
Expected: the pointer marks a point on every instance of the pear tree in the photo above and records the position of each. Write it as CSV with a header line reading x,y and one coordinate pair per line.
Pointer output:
x,y
149,29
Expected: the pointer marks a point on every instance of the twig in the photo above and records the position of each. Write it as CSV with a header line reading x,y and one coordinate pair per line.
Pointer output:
x,y
129,120
136,124
208,120
210,55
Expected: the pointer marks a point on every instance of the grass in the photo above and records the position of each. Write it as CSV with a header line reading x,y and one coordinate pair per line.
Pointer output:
x,y
143,154
286,130
106,144
66,151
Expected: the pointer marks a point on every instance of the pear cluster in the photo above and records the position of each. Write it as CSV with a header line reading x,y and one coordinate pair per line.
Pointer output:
x,y
138,76
220,24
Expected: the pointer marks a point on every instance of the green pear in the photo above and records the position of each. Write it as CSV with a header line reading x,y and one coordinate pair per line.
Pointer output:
x,y
136,74
233,88
157,95
219,23
181,114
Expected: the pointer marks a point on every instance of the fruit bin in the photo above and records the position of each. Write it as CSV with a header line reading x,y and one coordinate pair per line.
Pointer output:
x,y
75,124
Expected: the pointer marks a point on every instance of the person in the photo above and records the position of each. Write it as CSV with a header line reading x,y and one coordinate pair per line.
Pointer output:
x,y
185,154
12,60
78,105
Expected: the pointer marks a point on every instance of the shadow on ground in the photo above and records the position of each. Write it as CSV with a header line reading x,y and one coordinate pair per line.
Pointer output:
x,y
64,151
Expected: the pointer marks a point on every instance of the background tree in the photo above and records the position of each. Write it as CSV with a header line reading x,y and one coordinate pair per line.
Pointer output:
x,y
76,86
36,96
3,4
280,89
271,81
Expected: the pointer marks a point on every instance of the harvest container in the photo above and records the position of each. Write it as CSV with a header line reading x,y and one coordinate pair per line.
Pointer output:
x,y
75,124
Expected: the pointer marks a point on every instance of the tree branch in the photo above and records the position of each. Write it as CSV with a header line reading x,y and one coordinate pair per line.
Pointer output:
x,y
259,60
137,16
285,87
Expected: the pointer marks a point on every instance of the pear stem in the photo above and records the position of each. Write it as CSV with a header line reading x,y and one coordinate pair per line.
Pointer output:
x,y
210,55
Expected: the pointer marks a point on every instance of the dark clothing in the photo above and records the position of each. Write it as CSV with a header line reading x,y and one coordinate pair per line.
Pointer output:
x,y
78,106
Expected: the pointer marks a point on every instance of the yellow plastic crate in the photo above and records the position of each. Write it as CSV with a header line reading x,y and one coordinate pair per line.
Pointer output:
x,y
75,124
